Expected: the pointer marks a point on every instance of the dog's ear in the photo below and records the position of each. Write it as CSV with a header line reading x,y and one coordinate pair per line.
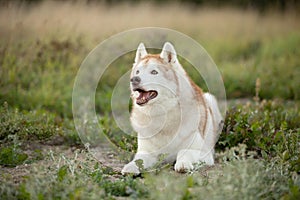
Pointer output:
x,y
140,53
168,53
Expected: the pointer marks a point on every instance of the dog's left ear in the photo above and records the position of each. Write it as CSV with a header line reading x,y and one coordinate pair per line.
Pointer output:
x,y
168,53
140,53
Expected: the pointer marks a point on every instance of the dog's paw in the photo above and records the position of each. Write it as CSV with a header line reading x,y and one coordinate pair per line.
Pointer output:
x,y
182,166
130,168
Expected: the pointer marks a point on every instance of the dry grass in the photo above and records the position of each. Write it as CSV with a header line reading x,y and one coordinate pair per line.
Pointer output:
x,y
98,21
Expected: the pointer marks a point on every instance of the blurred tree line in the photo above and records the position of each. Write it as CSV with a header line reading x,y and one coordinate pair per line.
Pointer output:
x,y
260,5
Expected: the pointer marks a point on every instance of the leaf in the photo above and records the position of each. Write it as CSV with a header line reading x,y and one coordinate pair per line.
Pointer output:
x,y
62,172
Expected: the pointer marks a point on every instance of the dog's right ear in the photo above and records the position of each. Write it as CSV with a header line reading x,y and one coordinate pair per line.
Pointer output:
x,y
140,53
168,53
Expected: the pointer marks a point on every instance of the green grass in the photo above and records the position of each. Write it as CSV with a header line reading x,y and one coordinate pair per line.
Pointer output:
x,y
52,66
275,61
33,125
257,156
237,175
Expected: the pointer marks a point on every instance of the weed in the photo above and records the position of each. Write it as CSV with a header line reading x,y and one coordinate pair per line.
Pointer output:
x,y
34,125
11,156
269,128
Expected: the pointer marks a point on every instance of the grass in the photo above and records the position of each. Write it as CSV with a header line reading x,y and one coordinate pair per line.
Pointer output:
x,y
237,175
263,59
41,155
34,125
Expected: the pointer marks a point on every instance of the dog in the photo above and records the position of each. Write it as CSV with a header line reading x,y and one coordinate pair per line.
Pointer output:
x,y
173,118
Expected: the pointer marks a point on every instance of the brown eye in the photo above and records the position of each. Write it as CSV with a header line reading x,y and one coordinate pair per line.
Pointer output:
x,y
154,72
137,72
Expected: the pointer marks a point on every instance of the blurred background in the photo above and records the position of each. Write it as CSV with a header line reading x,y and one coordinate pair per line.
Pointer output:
x,y
254,43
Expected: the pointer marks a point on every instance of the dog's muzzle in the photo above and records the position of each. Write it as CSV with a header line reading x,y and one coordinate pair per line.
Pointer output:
x,y
144,95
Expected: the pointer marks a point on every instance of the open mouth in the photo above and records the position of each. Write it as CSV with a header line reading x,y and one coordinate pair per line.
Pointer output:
x,y
145,96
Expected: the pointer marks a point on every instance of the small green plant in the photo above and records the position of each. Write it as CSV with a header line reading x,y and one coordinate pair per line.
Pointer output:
x,y
34,125
12,155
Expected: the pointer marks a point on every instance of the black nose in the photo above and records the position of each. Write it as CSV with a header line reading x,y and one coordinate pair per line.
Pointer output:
x,y
135,80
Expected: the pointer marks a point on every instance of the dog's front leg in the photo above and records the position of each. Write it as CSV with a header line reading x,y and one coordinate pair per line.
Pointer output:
x,y
187,157
148,160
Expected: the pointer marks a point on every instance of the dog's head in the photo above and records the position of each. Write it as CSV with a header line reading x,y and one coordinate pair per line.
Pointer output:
x,y
153,77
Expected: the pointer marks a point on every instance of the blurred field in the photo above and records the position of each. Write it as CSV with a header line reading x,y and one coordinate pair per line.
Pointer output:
x,y
41,48
245,45
99,21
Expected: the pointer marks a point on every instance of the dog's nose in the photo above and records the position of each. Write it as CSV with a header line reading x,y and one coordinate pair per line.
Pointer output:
x,y
135,80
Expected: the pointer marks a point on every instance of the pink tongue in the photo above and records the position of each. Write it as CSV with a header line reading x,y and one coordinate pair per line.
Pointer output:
x,y
144,94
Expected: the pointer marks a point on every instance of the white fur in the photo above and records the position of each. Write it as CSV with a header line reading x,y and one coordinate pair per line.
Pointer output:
x,y
140,53
172,124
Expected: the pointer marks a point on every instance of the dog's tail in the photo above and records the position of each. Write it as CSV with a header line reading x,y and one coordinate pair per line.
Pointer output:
x,y
213,104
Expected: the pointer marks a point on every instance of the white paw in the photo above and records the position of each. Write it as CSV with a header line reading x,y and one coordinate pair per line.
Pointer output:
x,y
130,168
183,166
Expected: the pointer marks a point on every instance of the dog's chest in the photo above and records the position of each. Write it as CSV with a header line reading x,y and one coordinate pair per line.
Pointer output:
x,y
151,124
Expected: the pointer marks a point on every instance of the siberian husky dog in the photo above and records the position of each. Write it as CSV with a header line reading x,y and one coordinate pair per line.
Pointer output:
x,y
173,118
